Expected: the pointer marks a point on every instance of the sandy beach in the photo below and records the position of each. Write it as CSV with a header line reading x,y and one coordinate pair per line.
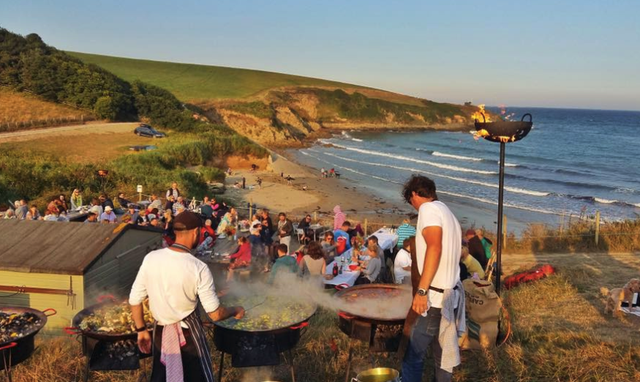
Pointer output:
x,y
357,202
320,197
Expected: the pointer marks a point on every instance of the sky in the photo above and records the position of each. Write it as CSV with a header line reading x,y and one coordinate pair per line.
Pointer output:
x,y
578,54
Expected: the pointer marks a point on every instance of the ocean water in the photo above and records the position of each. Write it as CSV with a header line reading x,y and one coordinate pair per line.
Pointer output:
x,y
572,162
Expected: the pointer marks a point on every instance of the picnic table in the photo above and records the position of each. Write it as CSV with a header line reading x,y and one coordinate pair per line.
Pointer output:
x,y
347,277
387,239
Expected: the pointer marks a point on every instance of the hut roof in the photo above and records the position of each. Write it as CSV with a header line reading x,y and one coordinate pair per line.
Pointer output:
x,y
54,247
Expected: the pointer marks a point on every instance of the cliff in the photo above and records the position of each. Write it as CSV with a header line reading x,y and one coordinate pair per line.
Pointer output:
x,y
285,117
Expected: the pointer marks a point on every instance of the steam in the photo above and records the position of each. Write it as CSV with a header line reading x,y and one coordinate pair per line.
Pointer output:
x,y
311,291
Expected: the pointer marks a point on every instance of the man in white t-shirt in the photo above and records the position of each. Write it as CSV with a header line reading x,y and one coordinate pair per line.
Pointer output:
x,y
438,240
402,263
174,280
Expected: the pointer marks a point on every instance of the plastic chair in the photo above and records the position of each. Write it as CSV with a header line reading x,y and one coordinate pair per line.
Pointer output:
x,y
300,233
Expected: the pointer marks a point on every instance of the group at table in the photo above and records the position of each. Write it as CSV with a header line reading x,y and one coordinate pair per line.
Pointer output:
x,y
349,271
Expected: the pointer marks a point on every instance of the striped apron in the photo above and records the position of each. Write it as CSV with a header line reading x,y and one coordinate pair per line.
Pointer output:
x,y
199,338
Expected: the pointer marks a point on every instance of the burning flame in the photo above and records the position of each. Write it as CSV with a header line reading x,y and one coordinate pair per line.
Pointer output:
x,y
481,115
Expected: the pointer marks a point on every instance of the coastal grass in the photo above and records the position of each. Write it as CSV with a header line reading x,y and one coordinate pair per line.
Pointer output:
x,y
559,333
39,175
191,82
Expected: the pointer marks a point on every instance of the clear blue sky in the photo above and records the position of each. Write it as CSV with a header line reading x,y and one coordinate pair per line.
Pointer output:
x,y
582,54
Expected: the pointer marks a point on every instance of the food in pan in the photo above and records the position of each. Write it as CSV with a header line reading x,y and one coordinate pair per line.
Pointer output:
x,y
114,319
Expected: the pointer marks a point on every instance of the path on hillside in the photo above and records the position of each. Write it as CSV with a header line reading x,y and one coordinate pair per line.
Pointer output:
x,y
89,128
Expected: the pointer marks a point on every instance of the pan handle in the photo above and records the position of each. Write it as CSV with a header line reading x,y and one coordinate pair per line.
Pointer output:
x,y
104,297
342,286
11,345
484,119
302,325
530,118
345,316
72,331
50,310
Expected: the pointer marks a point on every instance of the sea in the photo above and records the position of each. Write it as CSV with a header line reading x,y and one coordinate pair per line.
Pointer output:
x,y
572,164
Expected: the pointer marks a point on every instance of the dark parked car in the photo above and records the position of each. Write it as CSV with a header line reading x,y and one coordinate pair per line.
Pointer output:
x,y
148,131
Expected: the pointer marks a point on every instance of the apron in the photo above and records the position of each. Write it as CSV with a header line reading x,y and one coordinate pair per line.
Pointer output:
x,y
198,334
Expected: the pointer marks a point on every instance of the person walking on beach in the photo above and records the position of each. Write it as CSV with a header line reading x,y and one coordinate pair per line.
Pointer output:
x,y
437,315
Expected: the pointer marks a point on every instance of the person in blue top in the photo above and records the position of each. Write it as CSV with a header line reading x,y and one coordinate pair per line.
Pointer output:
x,y
405,231
342,233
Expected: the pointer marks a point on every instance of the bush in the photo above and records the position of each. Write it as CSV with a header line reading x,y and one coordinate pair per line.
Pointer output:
x,y
105,108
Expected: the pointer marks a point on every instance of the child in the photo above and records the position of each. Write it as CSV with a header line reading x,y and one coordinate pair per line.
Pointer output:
x,y
284,263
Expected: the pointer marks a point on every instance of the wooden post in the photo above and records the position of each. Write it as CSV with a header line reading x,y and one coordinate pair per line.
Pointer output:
x,y
315,216
597,226
504,232
366,223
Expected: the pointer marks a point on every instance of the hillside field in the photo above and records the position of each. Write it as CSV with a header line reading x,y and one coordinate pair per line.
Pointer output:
x,y
190,82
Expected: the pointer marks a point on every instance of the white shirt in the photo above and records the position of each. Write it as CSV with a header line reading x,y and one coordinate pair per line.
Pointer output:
x,y
437,214
403,259
174,281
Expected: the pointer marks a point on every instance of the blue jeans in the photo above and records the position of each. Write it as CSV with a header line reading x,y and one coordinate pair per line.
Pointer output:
x,y
424,334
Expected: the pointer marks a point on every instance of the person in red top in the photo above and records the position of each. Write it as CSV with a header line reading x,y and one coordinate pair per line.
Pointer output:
x,y
207,238
241,258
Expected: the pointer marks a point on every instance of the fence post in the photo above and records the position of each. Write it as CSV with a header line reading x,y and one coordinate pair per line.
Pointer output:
x,y
597,226
366,223
504,232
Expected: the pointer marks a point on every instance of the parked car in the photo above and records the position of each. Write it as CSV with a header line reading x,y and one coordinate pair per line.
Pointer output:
x,y
148,131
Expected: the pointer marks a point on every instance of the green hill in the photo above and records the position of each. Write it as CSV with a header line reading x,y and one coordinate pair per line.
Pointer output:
x,y
190,82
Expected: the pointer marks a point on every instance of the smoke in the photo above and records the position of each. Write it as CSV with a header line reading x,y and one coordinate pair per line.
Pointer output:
x,y
383,304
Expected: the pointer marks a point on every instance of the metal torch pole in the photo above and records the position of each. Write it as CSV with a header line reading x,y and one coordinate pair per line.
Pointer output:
x,y
498,263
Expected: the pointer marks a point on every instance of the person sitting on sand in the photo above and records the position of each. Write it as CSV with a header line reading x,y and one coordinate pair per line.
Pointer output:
x,y
343,241
329,247
370,268
284,263
241,258
473,266
313,264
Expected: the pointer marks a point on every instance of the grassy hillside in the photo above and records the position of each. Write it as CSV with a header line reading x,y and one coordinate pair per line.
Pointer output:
x,y
191,82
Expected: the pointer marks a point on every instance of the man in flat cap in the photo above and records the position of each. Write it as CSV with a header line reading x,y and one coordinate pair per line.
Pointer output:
x,y
174,280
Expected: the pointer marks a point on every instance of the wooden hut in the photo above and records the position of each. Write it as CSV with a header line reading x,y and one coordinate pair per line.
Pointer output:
x,y
66,266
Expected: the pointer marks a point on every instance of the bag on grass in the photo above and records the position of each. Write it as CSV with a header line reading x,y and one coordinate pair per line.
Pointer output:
x,y
482,306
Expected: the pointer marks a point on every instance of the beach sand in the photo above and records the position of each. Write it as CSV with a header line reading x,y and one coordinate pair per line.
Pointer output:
x,y
357,201
321,196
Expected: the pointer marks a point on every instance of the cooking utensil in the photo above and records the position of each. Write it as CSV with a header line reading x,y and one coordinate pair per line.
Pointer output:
x,y
378,374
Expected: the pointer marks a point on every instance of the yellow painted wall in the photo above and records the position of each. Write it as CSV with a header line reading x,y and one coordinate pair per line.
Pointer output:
x,y
43,301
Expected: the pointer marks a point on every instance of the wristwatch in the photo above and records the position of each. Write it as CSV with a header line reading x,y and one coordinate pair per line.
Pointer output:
x,y
422,292
143,329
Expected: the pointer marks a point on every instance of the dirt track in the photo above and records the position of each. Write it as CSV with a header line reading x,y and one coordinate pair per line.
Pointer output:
x,y
74,130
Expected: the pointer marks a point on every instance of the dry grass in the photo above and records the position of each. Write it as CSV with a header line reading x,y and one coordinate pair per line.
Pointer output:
x,y
16,107
85,148
559,334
